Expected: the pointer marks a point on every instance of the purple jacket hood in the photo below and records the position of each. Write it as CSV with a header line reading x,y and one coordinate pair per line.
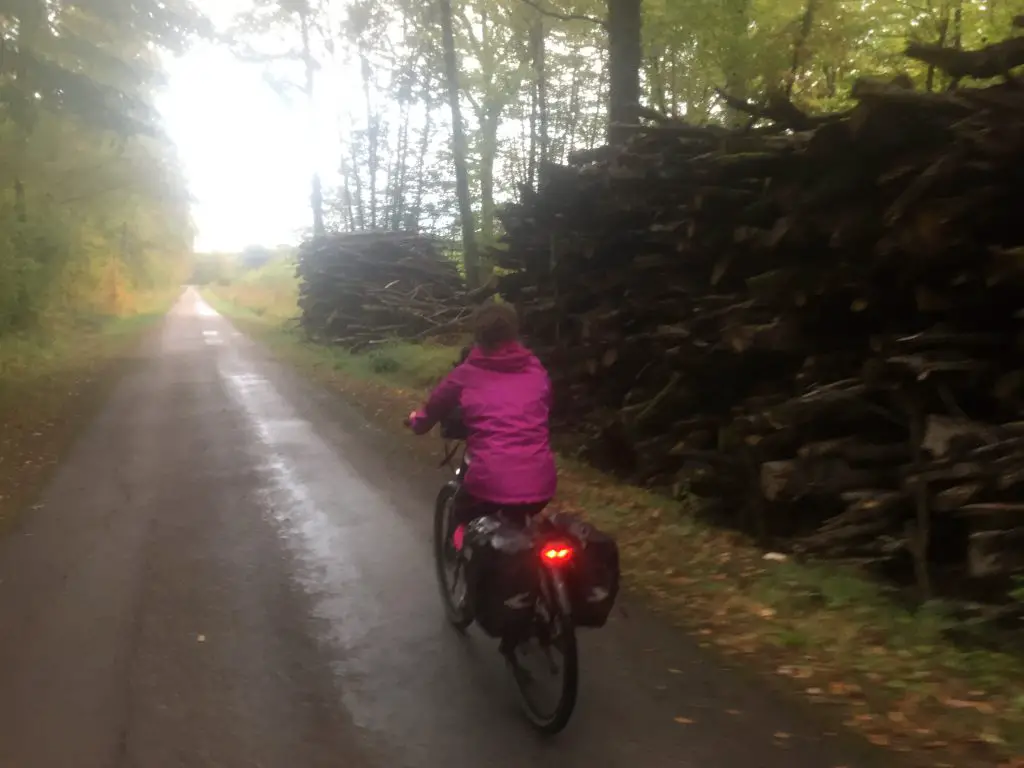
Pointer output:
x,y
505,398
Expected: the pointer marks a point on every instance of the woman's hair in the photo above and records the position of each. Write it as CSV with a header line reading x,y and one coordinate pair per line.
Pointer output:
x,y
495,324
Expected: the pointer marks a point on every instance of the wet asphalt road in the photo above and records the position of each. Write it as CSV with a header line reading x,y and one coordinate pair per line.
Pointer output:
x,y
232,568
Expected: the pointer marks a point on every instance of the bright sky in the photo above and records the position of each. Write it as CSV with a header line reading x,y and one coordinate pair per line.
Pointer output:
x,y
245,150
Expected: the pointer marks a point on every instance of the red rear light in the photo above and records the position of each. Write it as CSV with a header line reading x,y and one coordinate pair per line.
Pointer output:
x,y
556,553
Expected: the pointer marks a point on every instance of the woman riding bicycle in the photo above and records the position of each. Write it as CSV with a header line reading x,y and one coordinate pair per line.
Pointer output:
x,y
504,395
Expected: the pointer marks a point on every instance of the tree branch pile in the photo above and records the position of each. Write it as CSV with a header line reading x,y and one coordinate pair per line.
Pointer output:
x,y
364,288
817,330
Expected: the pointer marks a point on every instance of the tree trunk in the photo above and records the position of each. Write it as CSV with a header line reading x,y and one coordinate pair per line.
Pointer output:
x,y
488,154
800,45
958,36
373,137
20,209
625,57
943,32
421,166
316,198
735,58
401,166
656,76
593,135
470,256
675,84
573,120
360,211
540,63
536,45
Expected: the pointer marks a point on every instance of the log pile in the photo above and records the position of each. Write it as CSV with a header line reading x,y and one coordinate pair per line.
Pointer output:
x,y
363,288
814,324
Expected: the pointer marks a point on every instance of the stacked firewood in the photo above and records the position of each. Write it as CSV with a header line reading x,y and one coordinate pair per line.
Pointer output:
x,y
363,288
815,323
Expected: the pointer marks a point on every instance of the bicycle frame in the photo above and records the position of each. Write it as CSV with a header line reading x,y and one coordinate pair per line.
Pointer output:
x,y
554,595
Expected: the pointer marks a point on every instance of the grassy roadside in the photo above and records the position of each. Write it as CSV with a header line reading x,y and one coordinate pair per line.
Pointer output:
x,y
823,632
51,383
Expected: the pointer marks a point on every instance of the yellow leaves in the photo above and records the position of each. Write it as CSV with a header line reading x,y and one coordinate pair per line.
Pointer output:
x,y
844,689
684,721
982,707
795,672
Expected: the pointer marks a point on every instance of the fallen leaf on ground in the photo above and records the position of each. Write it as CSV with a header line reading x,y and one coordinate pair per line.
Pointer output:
x,y
843,689
980,706
684,721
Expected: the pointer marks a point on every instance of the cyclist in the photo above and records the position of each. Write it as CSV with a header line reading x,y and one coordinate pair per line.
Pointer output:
x,y
503,395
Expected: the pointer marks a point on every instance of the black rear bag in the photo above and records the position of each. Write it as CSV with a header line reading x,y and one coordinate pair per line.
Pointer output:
x,y
595,582
501,575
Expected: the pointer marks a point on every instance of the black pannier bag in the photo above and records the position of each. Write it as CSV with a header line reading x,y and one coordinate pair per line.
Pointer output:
x,y
501,575
595,582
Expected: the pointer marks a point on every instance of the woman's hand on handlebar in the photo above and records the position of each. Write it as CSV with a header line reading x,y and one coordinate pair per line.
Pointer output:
x,y
409,419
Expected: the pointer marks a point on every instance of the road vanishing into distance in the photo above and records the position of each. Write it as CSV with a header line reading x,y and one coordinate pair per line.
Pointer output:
x,y
233,568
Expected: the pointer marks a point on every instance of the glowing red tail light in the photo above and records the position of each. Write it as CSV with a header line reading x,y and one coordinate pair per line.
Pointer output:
x,y
556,553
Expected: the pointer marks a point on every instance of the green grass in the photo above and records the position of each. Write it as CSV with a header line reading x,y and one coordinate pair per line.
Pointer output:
x,y
270,292
398,364
39,352
824,631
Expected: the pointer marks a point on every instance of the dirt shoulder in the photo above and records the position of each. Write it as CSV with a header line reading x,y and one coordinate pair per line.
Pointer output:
x,y
50,387
823,633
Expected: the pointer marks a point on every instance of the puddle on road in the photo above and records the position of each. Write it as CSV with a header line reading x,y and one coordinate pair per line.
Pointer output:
x,y
368,575
200,307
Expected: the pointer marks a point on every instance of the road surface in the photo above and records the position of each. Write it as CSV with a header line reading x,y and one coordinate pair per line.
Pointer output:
x,y
233,569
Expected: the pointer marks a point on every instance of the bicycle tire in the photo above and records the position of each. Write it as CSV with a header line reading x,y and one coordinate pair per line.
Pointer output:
x,y
557,721
460,618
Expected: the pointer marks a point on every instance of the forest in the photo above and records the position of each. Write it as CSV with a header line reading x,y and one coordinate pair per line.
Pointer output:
x,y
702,180
769,253
94,209
536,80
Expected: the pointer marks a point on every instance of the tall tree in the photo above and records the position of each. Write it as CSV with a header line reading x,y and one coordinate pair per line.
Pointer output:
x,y
93,206
625,58
460,151
292,24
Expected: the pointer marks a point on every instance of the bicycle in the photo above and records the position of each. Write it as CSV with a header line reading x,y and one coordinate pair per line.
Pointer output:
x,y
551,627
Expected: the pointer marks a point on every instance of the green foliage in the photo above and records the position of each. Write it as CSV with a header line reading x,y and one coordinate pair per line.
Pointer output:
x,y
270,291
812,50
93,207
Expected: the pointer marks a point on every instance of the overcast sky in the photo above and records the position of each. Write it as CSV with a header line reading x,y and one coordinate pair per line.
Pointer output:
x,y
246,153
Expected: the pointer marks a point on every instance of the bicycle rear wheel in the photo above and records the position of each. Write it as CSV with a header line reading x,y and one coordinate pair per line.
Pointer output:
x,y
451,577
554,634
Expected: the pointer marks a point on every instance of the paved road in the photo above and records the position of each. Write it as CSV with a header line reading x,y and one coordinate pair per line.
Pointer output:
x,y
232,569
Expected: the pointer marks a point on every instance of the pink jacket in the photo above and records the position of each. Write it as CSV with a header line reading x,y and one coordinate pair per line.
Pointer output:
x,y
505,398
